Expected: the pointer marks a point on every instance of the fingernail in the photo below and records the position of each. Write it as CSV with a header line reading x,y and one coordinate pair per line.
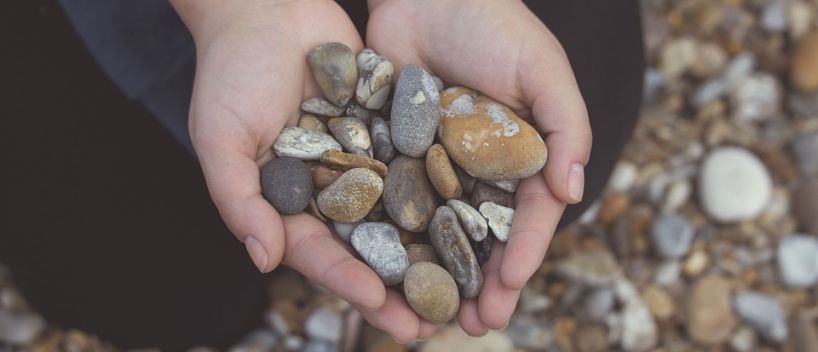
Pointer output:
x,y
576,182
257,252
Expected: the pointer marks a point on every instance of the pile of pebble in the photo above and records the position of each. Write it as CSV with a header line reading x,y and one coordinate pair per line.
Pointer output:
x,y
420,182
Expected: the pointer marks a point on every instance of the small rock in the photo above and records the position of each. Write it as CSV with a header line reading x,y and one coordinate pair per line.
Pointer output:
x,y
431,292
659,302
452,338
311,122
467,181
756,98
743,340
762,312
804,336
499,219
287,185
594,268
375,79
487,139
733,185
344,230
774,16
676,196
421,253
324,324
334,69
710,318
798,260
382,140
472,222
803,70
805,149
667,273
320,106
20,328
352,134
408,196
623,177
352,196
379,245
323,176
677,56
672,235
484,193
482,250
638,328
337,159
805,206
304,144
455,252
613,206
592,338
415,112
509,186
442,174
696,263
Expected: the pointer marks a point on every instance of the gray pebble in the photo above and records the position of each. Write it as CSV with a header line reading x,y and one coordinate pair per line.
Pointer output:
x,y
805,149
454,250
304,144
20,328
320,106
379,245
352,134
408,195
471,220
762,312
382,140
287,184
672,235
324,324
484,193
334,69
798,260
499,219
415,112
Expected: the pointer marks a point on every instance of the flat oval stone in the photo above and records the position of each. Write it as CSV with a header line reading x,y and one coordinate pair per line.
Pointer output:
x,y
455,252
421,253
352,134
304,144
311,122
337,159
352,196
334,69
379,245
382,140
408,196
431,292
734,185
320,106
286,184
442,174
471,220
484,193
486,138
499,219
415,111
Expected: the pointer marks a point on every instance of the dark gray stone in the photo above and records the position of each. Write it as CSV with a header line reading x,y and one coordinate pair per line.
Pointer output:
x,y
455,251
287,184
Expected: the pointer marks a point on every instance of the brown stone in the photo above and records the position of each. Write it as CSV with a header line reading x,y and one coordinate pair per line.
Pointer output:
x,y
804,66
345,161
442,174
421,253
352,196
431,292
323,176
710,318
613,206
408,195
486,138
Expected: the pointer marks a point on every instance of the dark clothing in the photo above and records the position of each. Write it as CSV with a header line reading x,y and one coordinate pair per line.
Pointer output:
x,y
107,225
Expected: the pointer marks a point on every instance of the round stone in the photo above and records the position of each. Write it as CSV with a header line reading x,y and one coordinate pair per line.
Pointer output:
x,y
352,134
334,69
442,174
287,185
352,196
470,219
421,253
415,112
486,138
382,140
499,219
803,69
805,205
379,245
408,196
734,185
454,250
304,144
672,235
431,292
798,260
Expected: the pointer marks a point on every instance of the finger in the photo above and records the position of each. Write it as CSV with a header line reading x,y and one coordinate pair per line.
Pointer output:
x,y
469,318
313,252
232,176
551,90
496,302
535,220
426,329
395,317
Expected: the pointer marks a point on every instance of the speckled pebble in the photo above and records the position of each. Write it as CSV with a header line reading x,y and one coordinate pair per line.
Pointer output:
x,y
321,106
408,196
379,245
286,184
499,219
455,251
470,219
415,112
352,134
304,144
352,196
334,69
431,292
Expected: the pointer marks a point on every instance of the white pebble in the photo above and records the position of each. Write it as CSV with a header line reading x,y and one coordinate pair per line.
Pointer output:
x,y
734,185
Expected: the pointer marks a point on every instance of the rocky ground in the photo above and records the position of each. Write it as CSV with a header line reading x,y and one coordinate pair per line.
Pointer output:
x,y
706,239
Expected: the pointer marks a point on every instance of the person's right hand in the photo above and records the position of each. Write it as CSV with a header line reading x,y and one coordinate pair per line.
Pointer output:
x,y
251,77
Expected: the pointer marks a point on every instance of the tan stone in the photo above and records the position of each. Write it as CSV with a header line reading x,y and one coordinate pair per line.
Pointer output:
x,y
352,196
337,159
804,66
710,318
442,174
659,302
486,138
431,292
614,205
311,122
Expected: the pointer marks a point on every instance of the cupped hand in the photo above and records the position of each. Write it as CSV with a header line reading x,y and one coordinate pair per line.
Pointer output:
x,y
251,77
500,48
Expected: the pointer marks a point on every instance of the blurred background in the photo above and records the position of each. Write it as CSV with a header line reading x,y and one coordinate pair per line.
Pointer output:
x,y
705,239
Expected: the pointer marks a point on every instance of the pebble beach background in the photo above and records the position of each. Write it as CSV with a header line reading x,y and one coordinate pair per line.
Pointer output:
x,y
706,238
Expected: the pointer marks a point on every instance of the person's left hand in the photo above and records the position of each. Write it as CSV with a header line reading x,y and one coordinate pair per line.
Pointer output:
x,y
501,49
